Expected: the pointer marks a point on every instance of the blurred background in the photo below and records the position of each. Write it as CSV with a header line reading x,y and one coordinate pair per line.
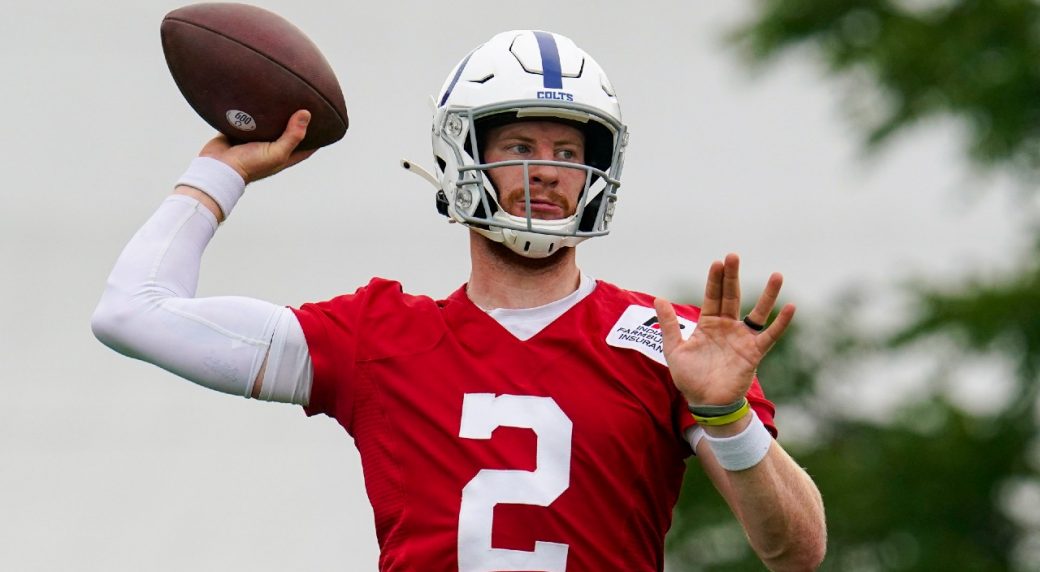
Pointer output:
x,y
882,154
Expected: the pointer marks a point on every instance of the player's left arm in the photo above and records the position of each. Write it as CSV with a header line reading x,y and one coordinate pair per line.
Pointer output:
x,y
778,505
775,500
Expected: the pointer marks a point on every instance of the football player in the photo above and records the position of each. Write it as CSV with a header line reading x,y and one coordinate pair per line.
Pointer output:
x,y
536,418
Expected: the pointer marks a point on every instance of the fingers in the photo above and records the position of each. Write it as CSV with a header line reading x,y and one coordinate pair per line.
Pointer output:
x,y
669,324
282,153
722,291
254,161
731,288
713,290
767,301
722,298
261,160
768,338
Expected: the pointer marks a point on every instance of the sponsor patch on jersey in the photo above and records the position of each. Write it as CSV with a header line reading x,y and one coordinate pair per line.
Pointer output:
x,y
638,329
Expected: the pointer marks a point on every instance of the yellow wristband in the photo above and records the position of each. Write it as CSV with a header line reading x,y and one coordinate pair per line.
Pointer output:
x,y
723,419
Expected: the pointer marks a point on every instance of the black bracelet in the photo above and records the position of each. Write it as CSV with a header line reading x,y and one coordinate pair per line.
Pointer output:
x,y
716,410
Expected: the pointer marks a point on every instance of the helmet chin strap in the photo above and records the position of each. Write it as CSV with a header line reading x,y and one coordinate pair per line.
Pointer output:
x,y
413,168
530,244
533,244
525,243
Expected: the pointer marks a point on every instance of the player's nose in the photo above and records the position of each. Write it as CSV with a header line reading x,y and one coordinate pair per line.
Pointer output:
x,y
544,174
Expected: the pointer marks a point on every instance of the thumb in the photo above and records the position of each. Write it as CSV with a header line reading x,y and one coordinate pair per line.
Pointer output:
x,y
669,325
294,132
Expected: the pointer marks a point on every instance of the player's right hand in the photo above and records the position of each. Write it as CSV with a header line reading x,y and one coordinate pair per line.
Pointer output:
x,y
257,160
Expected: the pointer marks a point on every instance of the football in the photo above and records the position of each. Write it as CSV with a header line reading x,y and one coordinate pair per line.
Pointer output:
x,y
245,70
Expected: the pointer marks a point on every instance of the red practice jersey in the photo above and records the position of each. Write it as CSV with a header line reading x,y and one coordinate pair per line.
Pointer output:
x,y
482,452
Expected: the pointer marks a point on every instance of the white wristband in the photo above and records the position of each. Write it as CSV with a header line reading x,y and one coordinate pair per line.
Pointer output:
x,y
743,450
217,179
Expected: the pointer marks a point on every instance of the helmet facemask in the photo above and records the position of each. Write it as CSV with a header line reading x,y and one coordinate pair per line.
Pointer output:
x,y
475,201
526,76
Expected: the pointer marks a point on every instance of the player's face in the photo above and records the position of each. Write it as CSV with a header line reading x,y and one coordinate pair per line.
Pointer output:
x,y
554,190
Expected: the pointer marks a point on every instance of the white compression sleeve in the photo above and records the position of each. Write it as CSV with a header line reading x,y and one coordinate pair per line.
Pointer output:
x,y
148,311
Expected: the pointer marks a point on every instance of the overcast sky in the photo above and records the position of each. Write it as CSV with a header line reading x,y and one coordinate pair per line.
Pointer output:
x,y
109,464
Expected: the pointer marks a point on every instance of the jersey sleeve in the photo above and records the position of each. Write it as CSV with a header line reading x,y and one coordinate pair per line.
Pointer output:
x,y
375,322
762,406
331,329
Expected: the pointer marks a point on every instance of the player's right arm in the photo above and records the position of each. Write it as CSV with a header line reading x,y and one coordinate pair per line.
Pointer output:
x,y
149,311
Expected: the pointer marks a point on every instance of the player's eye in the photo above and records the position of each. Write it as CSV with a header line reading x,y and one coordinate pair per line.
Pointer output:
x,y
519,149
567,154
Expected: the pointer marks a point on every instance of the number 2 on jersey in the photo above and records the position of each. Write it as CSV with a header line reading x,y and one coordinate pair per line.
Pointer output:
x,y
482,413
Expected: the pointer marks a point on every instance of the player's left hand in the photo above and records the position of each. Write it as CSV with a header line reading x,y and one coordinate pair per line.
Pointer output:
x,y
717,364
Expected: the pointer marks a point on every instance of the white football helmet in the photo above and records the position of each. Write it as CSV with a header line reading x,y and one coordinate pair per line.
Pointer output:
x,y
526,74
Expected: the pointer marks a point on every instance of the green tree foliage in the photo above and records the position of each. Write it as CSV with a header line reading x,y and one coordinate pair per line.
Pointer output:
x,y
977,61
922,490
935,485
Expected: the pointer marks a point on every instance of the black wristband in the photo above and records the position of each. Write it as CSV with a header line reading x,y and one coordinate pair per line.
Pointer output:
x,y
716,410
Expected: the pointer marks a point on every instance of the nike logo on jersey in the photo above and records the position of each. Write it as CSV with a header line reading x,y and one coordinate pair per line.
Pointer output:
x,y
637,329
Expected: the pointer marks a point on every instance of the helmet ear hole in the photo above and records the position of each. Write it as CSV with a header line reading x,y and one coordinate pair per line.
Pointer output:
x,y
442,203
441,199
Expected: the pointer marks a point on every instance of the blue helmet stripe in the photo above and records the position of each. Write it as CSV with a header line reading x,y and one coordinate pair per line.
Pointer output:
x,y
455,80
551,73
